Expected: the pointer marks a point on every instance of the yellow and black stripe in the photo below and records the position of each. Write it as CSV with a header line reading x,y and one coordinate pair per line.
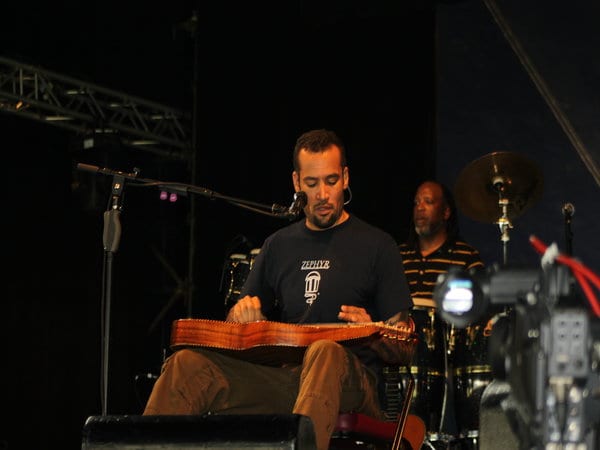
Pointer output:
x,y
422,271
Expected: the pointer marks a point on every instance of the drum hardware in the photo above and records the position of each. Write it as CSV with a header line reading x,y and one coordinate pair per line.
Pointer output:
x,y
237,268
448,359
471,375
471,334
429,333
451,340
428,370
504,224
253,254
497,188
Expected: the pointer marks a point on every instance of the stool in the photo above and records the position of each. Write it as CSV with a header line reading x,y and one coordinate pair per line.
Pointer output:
x,y
355,430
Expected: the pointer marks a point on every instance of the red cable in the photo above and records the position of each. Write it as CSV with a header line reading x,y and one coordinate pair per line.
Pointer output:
x,y
580,271
593,301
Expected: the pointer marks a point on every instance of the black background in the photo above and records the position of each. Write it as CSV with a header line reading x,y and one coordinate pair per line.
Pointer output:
x,y
265,73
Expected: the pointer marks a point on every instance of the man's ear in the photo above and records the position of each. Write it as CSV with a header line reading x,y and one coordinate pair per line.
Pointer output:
x,y
446,213
296,180
346,176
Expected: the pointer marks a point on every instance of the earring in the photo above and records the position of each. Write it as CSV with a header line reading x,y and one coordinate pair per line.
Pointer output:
x,y
349,196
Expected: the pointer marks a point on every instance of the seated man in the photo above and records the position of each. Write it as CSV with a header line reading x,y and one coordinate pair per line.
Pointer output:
x,y
329,267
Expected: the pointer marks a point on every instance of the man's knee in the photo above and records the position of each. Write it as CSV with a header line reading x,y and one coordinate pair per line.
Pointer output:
x,y
325,349
186,360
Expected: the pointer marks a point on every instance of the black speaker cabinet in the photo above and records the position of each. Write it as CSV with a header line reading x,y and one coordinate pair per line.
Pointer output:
x,y
495,432
286,431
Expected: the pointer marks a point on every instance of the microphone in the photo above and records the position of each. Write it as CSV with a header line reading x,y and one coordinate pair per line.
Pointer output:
x,y
568,210
300,201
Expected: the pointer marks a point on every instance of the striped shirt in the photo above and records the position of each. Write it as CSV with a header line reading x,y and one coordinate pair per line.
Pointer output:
x,y
422,271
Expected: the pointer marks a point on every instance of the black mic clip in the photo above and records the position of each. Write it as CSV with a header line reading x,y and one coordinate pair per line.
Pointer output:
x,y
300,201
278,209
293,211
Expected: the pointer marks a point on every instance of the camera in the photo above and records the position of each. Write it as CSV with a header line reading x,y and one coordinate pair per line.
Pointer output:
x,y
544,345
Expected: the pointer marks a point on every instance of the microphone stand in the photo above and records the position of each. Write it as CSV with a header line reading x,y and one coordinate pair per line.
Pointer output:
x,y
273,210
112,235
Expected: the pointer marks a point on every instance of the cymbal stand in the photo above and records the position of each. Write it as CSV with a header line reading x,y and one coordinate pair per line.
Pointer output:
x,y
503,222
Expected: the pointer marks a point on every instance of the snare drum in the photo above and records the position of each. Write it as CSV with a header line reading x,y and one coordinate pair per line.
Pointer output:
x,y
472,373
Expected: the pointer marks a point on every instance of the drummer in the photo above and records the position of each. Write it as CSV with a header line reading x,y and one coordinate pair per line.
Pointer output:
x,y
434,243
433,246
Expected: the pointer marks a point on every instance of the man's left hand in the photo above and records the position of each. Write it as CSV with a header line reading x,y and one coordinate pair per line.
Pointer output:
x,y
354,314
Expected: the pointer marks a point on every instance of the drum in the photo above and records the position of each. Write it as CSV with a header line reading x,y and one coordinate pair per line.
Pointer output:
x,y
428,369
472,372
236,271
237,268
253,254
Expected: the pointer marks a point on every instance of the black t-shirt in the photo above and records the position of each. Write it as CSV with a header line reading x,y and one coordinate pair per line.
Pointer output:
x,y
310,274
304,276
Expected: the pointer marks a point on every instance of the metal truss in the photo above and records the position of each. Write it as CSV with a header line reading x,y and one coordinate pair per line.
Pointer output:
x,y
91,110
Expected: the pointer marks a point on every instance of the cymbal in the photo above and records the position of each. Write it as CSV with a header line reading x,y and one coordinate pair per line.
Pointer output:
x,y
498,175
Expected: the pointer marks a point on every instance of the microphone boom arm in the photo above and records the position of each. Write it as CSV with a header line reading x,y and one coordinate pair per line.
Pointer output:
x,y
274,210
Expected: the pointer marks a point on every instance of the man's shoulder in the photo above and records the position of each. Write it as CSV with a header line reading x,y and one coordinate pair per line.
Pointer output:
x,y
360,228
359,223
287,230
460,244
464,251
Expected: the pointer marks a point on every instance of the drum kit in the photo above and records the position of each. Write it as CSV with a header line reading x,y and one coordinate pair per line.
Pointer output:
x,y
450,366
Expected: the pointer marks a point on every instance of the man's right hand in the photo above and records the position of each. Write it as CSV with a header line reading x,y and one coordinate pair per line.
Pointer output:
x,y
247,309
